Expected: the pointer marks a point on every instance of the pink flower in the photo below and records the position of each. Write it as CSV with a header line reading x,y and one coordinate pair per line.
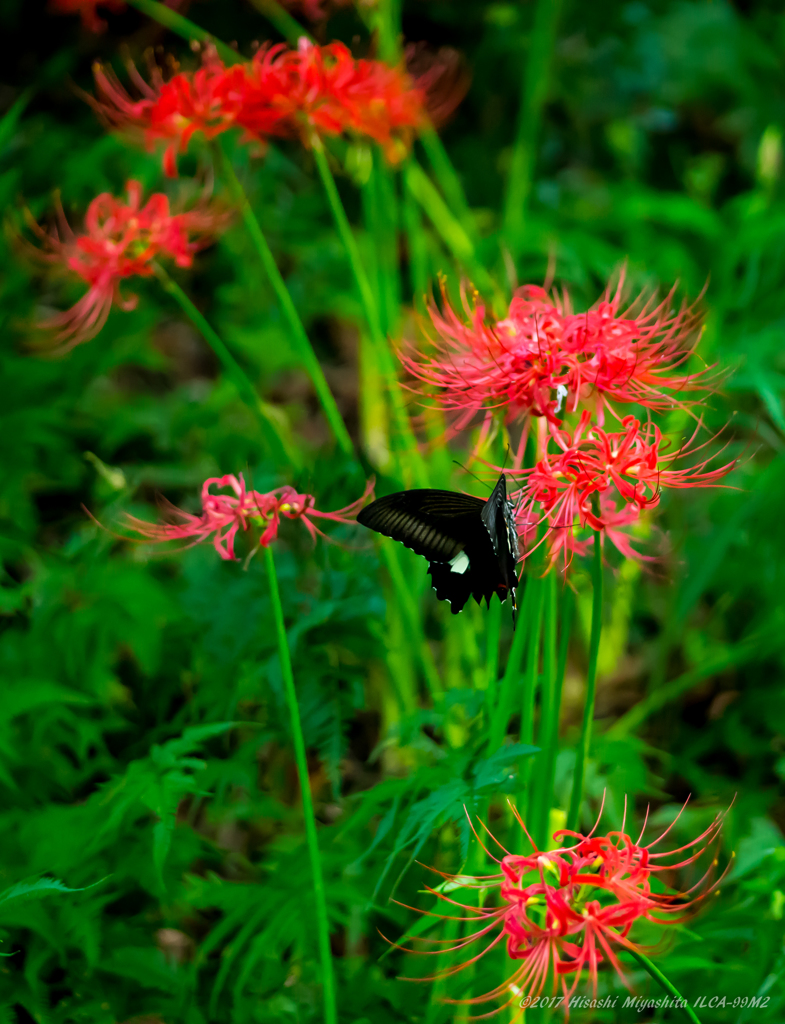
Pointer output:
x,y
635,355
121,240
563,911
543,360
224,514
604,480
86,9
516,365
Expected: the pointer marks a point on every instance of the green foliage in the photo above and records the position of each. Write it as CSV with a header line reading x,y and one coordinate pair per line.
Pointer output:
x,y
144,737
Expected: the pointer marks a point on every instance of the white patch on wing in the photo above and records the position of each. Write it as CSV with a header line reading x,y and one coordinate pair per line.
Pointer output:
x,y
460,563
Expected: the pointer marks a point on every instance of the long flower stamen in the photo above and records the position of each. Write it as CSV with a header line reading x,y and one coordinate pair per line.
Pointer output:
x,y
577,914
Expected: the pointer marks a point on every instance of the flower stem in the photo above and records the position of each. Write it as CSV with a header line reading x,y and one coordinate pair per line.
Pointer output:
x,y
347,237
447,224
266,415
573,814
534,94
530,684
406,605
296,328
184,27
492,636
542,792
417,245
320,901
554,681
501,716
370,309
448,179
289,27
669,987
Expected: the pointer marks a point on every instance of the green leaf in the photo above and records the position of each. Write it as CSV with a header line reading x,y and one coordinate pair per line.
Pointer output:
x,y
38,889
493,771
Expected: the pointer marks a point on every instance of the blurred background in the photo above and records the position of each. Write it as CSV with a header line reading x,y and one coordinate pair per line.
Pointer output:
x,y
659,141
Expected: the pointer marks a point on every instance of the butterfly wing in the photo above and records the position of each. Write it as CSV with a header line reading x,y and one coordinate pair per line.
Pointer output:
x,y
435,524
456,588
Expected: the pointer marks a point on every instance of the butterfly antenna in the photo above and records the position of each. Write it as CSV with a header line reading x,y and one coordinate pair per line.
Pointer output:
x,y
456,463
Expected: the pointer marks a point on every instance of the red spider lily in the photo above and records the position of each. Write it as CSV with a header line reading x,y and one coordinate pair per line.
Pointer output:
x,y
201,101
121,240
633,356
604,480
280,92
224,514
517,364
542,354
565,910
86,9
376,100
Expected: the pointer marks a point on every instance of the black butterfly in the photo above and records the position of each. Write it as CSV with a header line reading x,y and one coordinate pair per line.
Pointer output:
x,y
471,544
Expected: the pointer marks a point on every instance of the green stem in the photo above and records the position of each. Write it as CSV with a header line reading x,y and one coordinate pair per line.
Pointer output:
x,y
530,685
550,727
384,17
347,238
664,983
501,716
448,180
380,210
297,330
492,635
401,667
407,607
184,27
549,718
319,898
386,237
289,27
582,755
265,414
370,309
535,91
448,226
417,245
532,661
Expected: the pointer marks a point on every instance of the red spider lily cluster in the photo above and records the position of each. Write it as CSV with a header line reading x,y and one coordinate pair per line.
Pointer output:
x,y
564,911
603,480
280,92
224,514
121,240
86,9
543,360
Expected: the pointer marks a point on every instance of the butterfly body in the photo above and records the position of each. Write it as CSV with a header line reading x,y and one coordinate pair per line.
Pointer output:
x,y
471,545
